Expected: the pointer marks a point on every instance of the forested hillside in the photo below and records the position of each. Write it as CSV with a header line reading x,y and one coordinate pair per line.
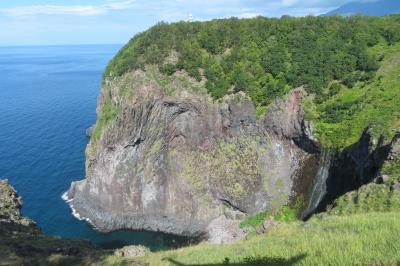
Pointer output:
x,y
266,57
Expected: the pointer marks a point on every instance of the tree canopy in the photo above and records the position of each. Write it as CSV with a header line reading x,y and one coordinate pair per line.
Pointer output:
x,y
264,57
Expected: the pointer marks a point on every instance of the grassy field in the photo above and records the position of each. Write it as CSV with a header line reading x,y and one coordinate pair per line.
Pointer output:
x,y
358,239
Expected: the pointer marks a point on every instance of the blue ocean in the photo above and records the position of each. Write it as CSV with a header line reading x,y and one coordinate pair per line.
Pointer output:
x,y
47,100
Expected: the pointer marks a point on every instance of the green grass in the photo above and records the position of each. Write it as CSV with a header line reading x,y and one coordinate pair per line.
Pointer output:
x,y
341,119
359,239
255,220
368,198
108,113
284,214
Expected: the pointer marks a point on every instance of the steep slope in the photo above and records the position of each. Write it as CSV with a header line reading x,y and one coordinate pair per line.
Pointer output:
x,y
22,242
364,120
371,8
177,163
191,132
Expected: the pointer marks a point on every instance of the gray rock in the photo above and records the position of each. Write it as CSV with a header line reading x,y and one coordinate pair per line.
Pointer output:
x,y
385,178
222,230
285,119
131,251
268,223
396,186
89,131
173,163
260,230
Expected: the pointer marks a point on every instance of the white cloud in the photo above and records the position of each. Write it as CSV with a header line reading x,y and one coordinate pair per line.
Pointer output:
x,y
115,21
82,10
167,8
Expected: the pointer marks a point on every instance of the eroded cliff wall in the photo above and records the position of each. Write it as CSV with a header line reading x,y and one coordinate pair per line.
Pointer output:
x,y
175,160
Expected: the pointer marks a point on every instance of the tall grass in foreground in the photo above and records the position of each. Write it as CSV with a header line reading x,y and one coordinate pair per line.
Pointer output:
x,y
359,239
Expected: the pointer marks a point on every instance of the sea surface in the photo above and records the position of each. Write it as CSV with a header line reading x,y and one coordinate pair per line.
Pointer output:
x,y
47,100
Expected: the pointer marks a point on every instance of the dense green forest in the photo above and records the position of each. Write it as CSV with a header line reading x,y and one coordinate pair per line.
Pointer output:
x,y
266,57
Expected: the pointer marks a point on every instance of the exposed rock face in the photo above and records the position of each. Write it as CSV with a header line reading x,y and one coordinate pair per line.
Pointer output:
x,y
89,131
393,156
132,251
355,166
223,230
10,206
286,120
22,242
175,163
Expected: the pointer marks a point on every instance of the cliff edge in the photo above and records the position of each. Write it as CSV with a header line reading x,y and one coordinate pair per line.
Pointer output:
x,y
23,243
174,161
202,122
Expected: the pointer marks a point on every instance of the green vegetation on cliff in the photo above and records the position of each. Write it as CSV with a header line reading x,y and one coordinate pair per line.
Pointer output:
x,y
340,119
283,214
108,112
336,59
369,198
263,56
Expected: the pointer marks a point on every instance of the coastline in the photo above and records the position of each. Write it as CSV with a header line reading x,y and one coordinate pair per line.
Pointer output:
x,y
75,213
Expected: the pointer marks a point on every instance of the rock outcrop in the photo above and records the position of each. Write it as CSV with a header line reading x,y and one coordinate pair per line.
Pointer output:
x,y
23,243
285,119
89,131
175,161
224,230
165,157
10,206
131,251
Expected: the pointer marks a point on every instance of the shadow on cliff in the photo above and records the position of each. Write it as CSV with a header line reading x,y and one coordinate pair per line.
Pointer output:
x,y
259,261
357,165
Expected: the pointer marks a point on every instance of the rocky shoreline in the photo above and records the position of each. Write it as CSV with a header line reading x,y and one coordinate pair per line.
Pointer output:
x,y
106,222
23,243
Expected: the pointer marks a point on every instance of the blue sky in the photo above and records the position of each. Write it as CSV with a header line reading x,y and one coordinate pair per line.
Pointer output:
x,y
38,22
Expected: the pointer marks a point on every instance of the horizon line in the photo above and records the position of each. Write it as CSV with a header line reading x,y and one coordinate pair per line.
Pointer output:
x,y
52,45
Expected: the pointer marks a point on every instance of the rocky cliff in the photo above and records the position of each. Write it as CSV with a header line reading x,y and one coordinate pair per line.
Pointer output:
x,y
372,159
178,146
23,243
173,160
10,206
164,156
360,164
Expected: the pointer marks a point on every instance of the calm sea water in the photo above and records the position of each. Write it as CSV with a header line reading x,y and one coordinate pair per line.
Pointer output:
x,y
47,100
